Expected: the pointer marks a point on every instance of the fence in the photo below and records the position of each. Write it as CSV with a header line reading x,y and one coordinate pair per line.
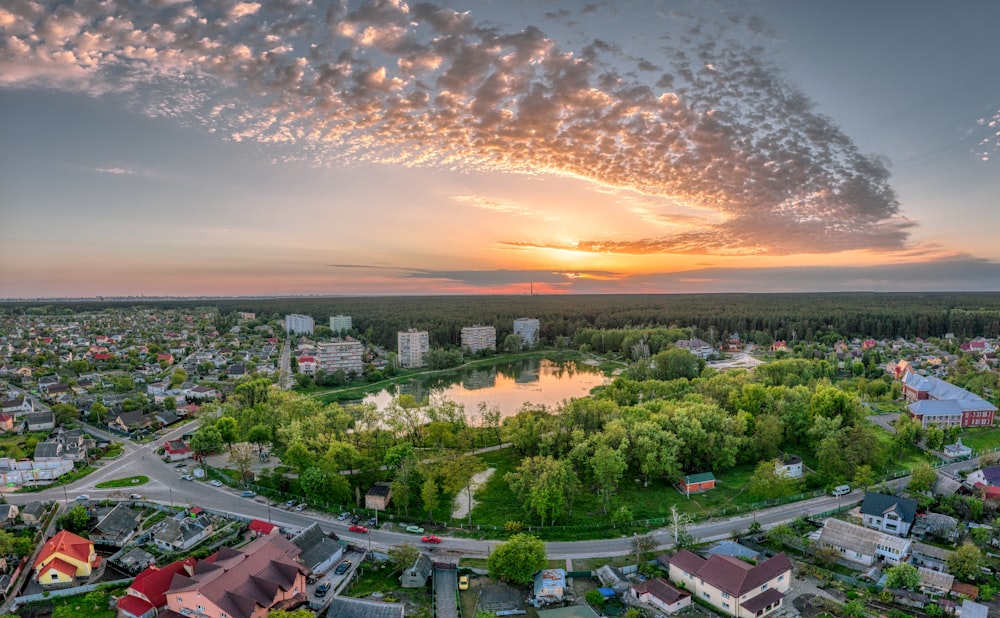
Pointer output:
x,y
68,592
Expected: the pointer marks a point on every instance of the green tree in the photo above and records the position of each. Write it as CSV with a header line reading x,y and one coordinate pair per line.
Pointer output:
x,y
320,487
594,597
299,456
518,559
854,609
206,440
65,413
98,413
676,363
966,562
229,430
291,613
767,484
922,478
903,575
403,556
260,435
76,519
864,477
178,377
607,466
544,486
170,403
429,495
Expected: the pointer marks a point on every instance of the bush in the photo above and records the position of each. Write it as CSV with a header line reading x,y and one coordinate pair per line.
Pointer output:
x,y
594,597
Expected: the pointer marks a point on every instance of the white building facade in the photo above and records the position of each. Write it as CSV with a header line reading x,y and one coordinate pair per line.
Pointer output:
x,y
527,329
346,356
475,338
412,347
299,324
340,323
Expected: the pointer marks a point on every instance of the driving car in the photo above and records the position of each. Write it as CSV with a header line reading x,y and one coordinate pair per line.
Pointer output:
x,y
215,483
134,497
342,567
415,529
463,582
359,529
322,589
83,497
248,494
431,539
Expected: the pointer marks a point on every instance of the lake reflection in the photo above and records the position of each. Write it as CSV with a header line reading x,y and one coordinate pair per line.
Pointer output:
x,y
508,386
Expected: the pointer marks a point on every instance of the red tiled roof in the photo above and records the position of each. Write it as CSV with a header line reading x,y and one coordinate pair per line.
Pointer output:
x,y
661,589
153,582
730,574
62,566
262,527
131,605
67,544
762,600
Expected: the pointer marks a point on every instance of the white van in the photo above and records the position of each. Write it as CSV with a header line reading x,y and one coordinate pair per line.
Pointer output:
x,y
841,490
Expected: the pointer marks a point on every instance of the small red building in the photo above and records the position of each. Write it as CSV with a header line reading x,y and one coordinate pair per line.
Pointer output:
x,y
695,483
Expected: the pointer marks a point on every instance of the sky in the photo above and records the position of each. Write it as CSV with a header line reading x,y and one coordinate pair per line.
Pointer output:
x,y
296,147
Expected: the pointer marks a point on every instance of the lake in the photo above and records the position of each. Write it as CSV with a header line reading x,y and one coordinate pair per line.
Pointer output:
x,y
508,386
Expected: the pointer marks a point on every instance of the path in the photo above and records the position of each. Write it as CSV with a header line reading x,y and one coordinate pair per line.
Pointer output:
x,y
464,503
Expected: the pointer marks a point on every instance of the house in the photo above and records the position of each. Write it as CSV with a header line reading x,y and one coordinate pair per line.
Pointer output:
x,y
6,422
64,559
378,496
33,512
938,525
241,583
148,592
317,551
136,560
202,393
660,594
116,528
550,586
307,364
39,421
16,406
8,513
957,450
985,478
863,545
262,528
887,513
697,483
182,532
929,556
936,402
731,585
788,467
971,609
779,346
176,450
734,549
935,583
346,607
416,575
698,347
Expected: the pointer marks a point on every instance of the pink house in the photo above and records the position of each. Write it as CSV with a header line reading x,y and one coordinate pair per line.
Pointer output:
x,y
661,594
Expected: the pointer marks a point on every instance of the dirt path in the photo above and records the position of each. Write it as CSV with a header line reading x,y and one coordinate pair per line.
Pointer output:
x,y
462,503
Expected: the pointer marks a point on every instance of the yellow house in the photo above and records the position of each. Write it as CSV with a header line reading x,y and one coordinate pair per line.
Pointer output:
x,y
64,558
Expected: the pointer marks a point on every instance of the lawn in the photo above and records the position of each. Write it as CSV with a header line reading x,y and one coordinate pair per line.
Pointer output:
x,y
981,438
910,457
497,504
384,580
131,481
90,605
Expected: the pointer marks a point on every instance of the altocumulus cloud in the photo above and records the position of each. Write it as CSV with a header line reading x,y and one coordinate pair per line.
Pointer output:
x,y
709,123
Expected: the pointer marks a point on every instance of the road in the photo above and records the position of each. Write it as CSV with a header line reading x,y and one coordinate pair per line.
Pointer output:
x,y
166,486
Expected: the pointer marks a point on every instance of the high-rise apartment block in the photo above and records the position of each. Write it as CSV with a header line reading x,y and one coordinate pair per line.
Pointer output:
x,y
527,330
340,323
299,324
412,346
346,356
475,338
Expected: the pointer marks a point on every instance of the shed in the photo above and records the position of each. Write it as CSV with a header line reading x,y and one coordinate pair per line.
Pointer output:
x,y
378,496
696,483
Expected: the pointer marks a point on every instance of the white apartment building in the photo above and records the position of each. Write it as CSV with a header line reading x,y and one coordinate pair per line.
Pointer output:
x,y
299,324
345,355
527,330
412,347
475,338
340,323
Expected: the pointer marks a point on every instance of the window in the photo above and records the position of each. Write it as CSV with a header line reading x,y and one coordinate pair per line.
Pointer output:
x,y
781,578
763,588
55,576
725,595
200,608
706,595
725,605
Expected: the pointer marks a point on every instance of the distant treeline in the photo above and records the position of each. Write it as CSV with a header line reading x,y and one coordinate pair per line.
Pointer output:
x,y
756,317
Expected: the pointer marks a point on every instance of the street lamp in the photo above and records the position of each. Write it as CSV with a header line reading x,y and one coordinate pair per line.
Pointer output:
x,y
171,490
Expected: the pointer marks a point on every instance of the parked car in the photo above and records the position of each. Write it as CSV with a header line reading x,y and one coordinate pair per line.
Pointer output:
x,y
290,503
431,539
301,507
187,477
248,494
415,529
356,519
359,529
343,516
841,490
342,567
134,497
371,522
83,497
322,589
180,465
463,582
215,483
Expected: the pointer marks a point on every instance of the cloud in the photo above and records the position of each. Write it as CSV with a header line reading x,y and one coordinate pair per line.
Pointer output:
x,y
711,124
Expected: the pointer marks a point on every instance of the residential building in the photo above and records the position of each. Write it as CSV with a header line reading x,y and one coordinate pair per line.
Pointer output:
x,y
340,323
177,450
116,528
65,559
181,533
241,583
527,329
262,528
863,545
307,364
891,514
416,575
660,594
476,338
147,594
412,347
297,324
39,421
549,586
33,512
731,585
17,472
8,513
346,607
317,551
346,356
933,401
696,346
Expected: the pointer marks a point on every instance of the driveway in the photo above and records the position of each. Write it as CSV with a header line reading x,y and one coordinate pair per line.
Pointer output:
x,y
446,593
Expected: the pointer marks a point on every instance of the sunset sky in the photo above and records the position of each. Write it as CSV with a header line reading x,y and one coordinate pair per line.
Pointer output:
x,y
170,147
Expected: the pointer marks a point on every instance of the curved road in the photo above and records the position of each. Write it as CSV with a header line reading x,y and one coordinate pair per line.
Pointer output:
x,y
166,486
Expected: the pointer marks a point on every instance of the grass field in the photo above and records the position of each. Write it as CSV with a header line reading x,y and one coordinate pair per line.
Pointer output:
x,y
910,457
981,438
131,481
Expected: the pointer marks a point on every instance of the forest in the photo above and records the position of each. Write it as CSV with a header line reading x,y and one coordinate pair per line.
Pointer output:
x,y
760,318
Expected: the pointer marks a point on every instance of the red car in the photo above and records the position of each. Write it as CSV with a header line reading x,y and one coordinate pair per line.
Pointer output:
x,y
357,528
431,539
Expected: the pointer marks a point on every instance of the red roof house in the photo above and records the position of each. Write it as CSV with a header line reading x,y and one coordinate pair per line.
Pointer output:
x,y
148,591
176,450
64,558
262,528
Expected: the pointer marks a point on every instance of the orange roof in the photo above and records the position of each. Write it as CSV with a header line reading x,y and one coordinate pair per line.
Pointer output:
x,y
65,543
62,566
